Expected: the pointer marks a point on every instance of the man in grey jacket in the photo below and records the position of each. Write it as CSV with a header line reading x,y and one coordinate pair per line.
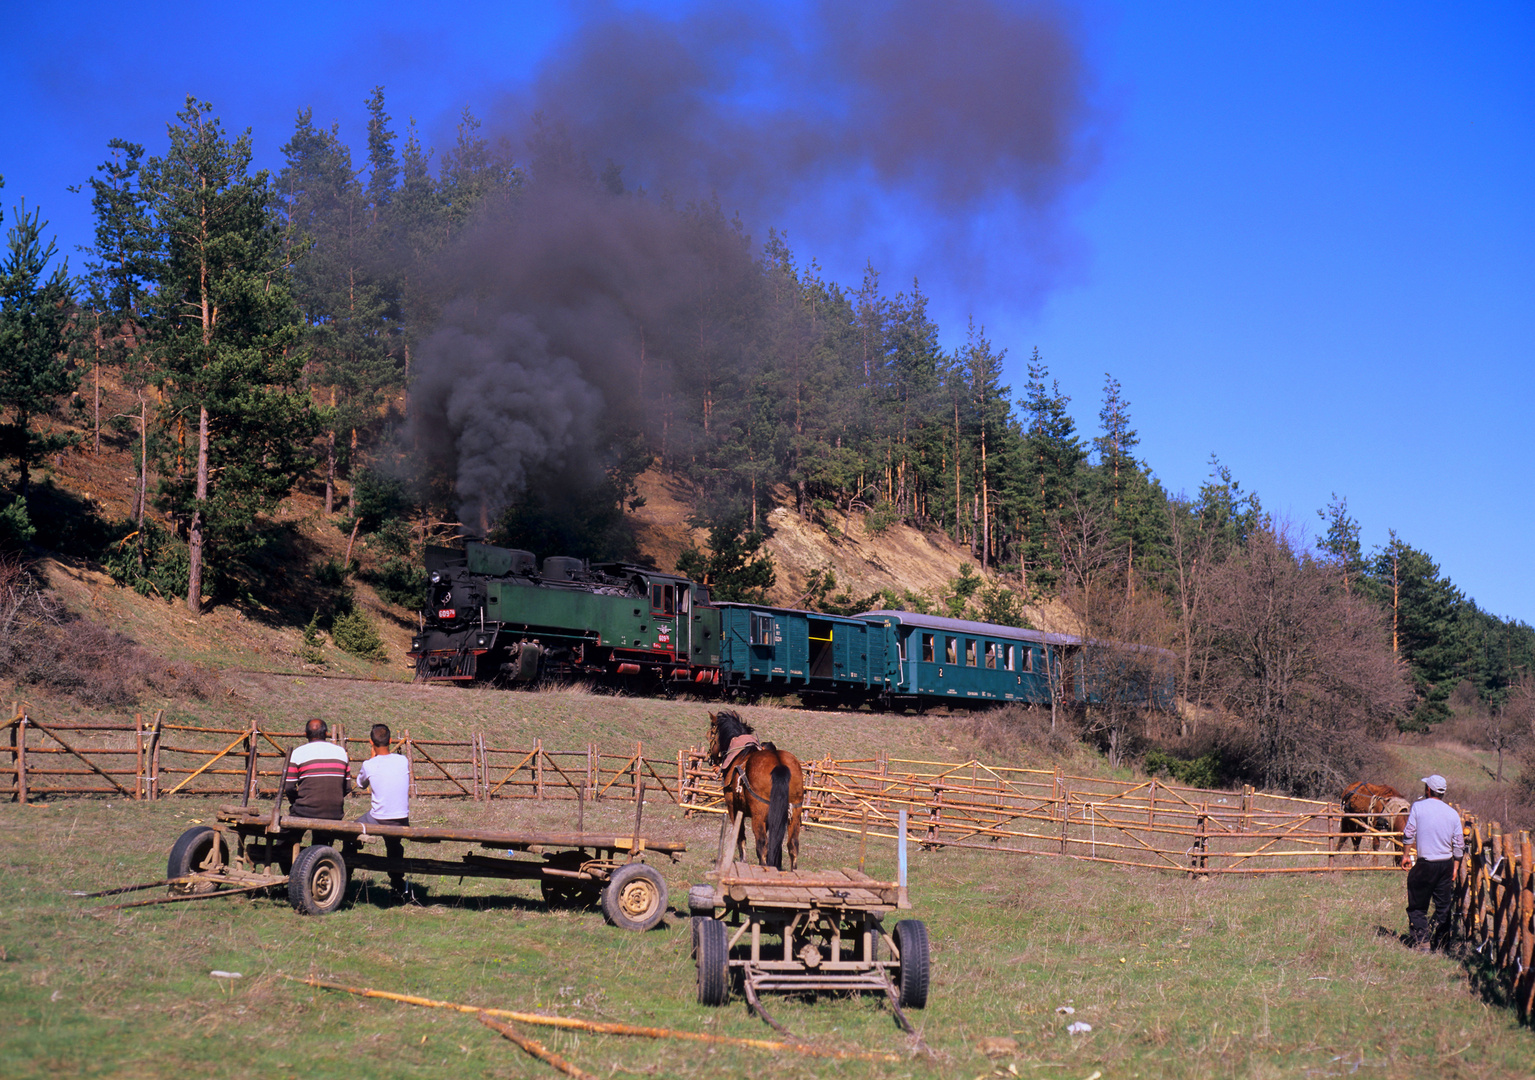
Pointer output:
x,y
1435,827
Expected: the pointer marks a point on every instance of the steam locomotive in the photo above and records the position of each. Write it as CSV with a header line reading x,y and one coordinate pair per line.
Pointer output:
x,y
494,614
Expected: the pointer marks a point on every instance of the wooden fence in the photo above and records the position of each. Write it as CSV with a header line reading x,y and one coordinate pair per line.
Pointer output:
x,y
152,758
1150,823
1495,906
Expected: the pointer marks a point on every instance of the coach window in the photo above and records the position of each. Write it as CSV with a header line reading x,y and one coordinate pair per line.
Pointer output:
x,y
927,648
761,629
900,649
970,652
991,655
951,651
1028,660
1007,657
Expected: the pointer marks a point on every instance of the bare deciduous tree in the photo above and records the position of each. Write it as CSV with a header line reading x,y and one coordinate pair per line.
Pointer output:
x,y
1305,665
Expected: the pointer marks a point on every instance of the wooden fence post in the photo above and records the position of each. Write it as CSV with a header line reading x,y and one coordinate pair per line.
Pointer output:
x,y
19,754
252,758
684,794
1525,985
1151,805
477,766
592,764
138,756
639,761
1065,801
408,749
538,768
934,817
1197,862
154,755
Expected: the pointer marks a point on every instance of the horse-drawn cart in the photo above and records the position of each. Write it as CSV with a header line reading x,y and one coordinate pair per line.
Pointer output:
x,y
247,851
801,931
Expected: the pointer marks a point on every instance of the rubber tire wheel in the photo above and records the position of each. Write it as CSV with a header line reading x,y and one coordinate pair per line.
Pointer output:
x,y
911,939
713,961
635,898
317,885
701,900
188,853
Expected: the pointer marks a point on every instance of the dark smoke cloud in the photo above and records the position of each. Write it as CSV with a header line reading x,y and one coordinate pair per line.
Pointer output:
x,y
958,104
968,121
508,399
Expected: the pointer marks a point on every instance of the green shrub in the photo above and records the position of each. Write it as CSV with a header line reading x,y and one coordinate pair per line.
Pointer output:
x,y
880,518
150,561
399,581
312,651
331,574
353,633
1201,772
16,529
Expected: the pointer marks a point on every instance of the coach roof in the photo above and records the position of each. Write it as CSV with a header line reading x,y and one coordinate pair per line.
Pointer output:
x,y
966,626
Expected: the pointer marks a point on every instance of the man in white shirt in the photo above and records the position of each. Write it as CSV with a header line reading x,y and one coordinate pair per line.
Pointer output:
x,y
387,777
1435,827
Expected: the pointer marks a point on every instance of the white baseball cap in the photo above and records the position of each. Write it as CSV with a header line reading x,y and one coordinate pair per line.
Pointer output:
x,y
1435,783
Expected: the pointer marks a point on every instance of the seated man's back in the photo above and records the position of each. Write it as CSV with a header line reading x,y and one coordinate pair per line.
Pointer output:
x,y
319,776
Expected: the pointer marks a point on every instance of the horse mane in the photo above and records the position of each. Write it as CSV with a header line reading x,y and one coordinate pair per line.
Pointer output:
x,y
727,725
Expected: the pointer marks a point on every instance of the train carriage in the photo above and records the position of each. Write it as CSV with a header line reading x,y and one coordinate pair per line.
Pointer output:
x,y
493,614
826,659
957,660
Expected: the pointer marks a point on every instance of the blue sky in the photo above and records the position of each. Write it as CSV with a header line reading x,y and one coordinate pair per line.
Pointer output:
x,y
1307,242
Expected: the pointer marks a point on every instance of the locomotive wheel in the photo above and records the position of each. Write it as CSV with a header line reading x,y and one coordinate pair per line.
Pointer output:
x,y
713,951
911,939
188,854
317,885
635,898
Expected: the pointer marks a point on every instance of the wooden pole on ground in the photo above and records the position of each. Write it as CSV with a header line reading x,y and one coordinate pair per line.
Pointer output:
x,y
537,1049
604,1027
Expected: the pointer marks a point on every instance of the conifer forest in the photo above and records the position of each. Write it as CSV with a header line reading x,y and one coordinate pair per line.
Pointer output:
x,y
497,340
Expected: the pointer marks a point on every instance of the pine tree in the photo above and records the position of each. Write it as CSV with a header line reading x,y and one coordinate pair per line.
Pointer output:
x,y
347,329
224,330
34,332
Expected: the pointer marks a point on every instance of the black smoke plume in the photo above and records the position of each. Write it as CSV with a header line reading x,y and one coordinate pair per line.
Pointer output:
x,y
568,298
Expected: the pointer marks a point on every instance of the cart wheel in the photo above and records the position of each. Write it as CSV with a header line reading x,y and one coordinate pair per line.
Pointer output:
x,y
317,884
701,900
635,898
562,893
713,961
188,853
911,939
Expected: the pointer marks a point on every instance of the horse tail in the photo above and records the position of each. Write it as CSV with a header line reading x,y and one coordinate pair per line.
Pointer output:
x,y
778,816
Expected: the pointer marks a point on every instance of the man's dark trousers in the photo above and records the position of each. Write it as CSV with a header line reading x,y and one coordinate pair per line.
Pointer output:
x,y
1429,879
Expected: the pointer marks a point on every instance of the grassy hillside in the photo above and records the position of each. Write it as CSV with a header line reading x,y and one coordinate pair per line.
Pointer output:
x,y
1294,975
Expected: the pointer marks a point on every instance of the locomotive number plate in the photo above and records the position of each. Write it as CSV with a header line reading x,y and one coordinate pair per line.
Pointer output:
x,y
446,613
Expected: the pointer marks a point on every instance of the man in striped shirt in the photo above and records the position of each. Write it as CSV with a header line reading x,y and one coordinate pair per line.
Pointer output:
x,y
319,776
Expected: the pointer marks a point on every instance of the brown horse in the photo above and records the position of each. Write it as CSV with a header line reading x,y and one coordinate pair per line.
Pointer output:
x,y
1373,809
762,782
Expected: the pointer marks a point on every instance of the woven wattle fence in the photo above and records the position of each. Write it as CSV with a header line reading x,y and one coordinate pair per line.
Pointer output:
x,y
1495,907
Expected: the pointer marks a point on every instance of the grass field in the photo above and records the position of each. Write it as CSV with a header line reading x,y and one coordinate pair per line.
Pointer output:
x,y
1297,976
